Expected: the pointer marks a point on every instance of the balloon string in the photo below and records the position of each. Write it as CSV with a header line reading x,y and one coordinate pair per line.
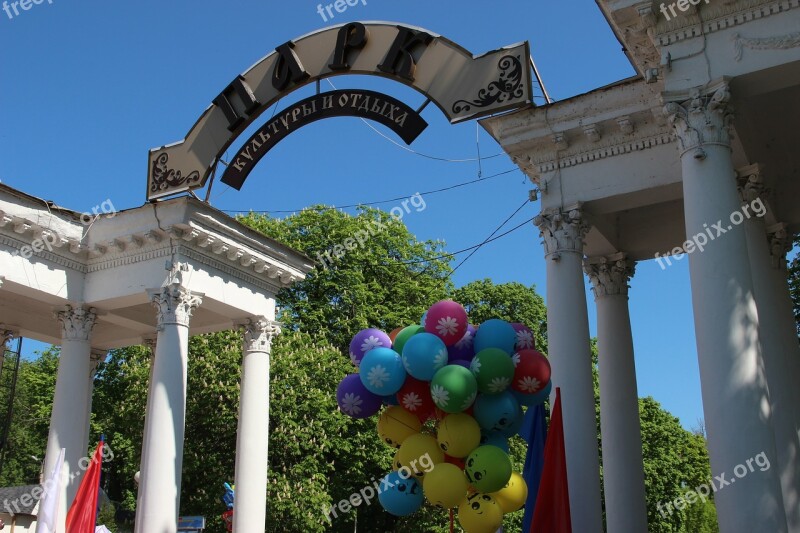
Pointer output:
x,y
452,526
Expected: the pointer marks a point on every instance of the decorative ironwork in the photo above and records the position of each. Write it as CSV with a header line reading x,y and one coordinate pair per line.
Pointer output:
x,y
164,177
508,87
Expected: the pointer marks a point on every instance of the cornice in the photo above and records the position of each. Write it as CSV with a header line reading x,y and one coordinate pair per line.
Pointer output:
x,y
717,17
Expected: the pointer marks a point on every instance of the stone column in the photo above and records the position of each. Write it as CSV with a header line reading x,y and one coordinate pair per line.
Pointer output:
x,y
253,434
158,503
623,466
95,358
563,231
69,418
7,336
736,399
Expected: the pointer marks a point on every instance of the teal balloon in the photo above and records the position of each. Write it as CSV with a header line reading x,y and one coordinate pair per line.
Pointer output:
x,y
405,334
382,371
496,333
516,425
531,400
495,438
488,468
496,412
423,355
400,496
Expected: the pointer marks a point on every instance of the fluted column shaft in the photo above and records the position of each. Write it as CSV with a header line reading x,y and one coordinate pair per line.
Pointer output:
x,y
570,356
736,398
253,432
623,466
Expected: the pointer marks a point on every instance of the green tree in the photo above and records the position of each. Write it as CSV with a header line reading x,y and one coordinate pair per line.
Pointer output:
x,y
387,282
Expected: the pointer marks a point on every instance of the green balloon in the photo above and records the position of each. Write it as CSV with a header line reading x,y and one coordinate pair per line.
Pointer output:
x,y
404,335
493,369
453,389
488,468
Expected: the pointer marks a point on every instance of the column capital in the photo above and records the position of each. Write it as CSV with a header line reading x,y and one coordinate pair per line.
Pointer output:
x,y
76,322
563,230
780,244
7,334
609,274
149,341
96,356
750,181
258,333
174,304
704,118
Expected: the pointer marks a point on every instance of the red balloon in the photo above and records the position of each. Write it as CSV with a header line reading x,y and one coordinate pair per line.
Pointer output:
x,y
455,461
447,320
394,333
531,372
415,397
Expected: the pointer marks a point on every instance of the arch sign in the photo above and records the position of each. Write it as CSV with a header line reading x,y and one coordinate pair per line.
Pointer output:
x,y
463,86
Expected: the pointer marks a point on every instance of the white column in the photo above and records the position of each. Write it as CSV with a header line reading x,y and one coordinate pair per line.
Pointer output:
x,y
570,356
623,466
250,507
736,399
158,503
69,417
95,358
777,334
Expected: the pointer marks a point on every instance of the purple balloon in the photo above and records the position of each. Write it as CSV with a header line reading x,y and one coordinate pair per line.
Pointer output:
x,y
364,341
465,348
461,362
525,337
355,400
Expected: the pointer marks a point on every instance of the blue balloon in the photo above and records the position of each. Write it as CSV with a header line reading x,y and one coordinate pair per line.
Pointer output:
x,y
496,333
531,400
399,495
382,371
423,355
516,425
495,438
496,412
390,400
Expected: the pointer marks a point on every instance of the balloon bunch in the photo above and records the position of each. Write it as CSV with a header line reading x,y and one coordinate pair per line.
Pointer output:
x,y
454,394
228,499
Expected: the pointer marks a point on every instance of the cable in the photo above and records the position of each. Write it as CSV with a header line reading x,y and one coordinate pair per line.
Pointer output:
x,y
407,149
451,187
489,237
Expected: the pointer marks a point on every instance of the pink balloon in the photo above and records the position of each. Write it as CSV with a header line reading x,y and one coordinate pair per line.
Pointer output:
x,y
447,320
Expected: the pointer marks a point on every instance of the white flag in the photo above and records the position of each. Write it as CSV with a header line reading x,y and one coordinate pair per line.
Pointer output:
x,y
48,505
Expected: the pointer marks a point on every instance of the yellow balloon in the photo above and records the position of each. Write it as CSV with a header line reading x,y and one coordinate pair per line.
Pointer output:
x,y
445,486
480,514
458,435
512,497
396,424
419,454
396,460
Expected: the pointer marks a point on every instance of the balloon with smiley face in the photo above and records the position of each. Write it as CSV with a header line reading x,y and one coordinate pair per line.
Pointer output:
x,y
458,434
400,495
396,424
496,412
512,497
488,468
480,513
419,453
445,486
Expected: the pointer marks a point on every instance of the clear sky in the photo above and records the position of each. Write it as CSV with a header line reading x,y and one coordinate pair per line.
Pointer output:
x,y
88,87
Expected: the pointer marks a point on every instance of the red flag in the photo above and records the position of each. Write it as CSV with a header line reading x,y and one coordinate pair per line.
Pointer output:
x,y
83,513
552,502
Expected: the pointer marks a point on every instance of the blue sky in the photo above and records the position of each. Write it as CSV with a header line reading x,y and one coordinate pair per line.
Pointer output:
x,y
88,87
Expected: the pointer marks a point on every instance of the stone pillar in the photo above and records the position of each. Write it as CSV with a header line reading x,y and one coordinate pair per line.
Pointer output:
x,y
7,335
253,434
69,418
570,356
623,466
736,399
95,358
158,503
